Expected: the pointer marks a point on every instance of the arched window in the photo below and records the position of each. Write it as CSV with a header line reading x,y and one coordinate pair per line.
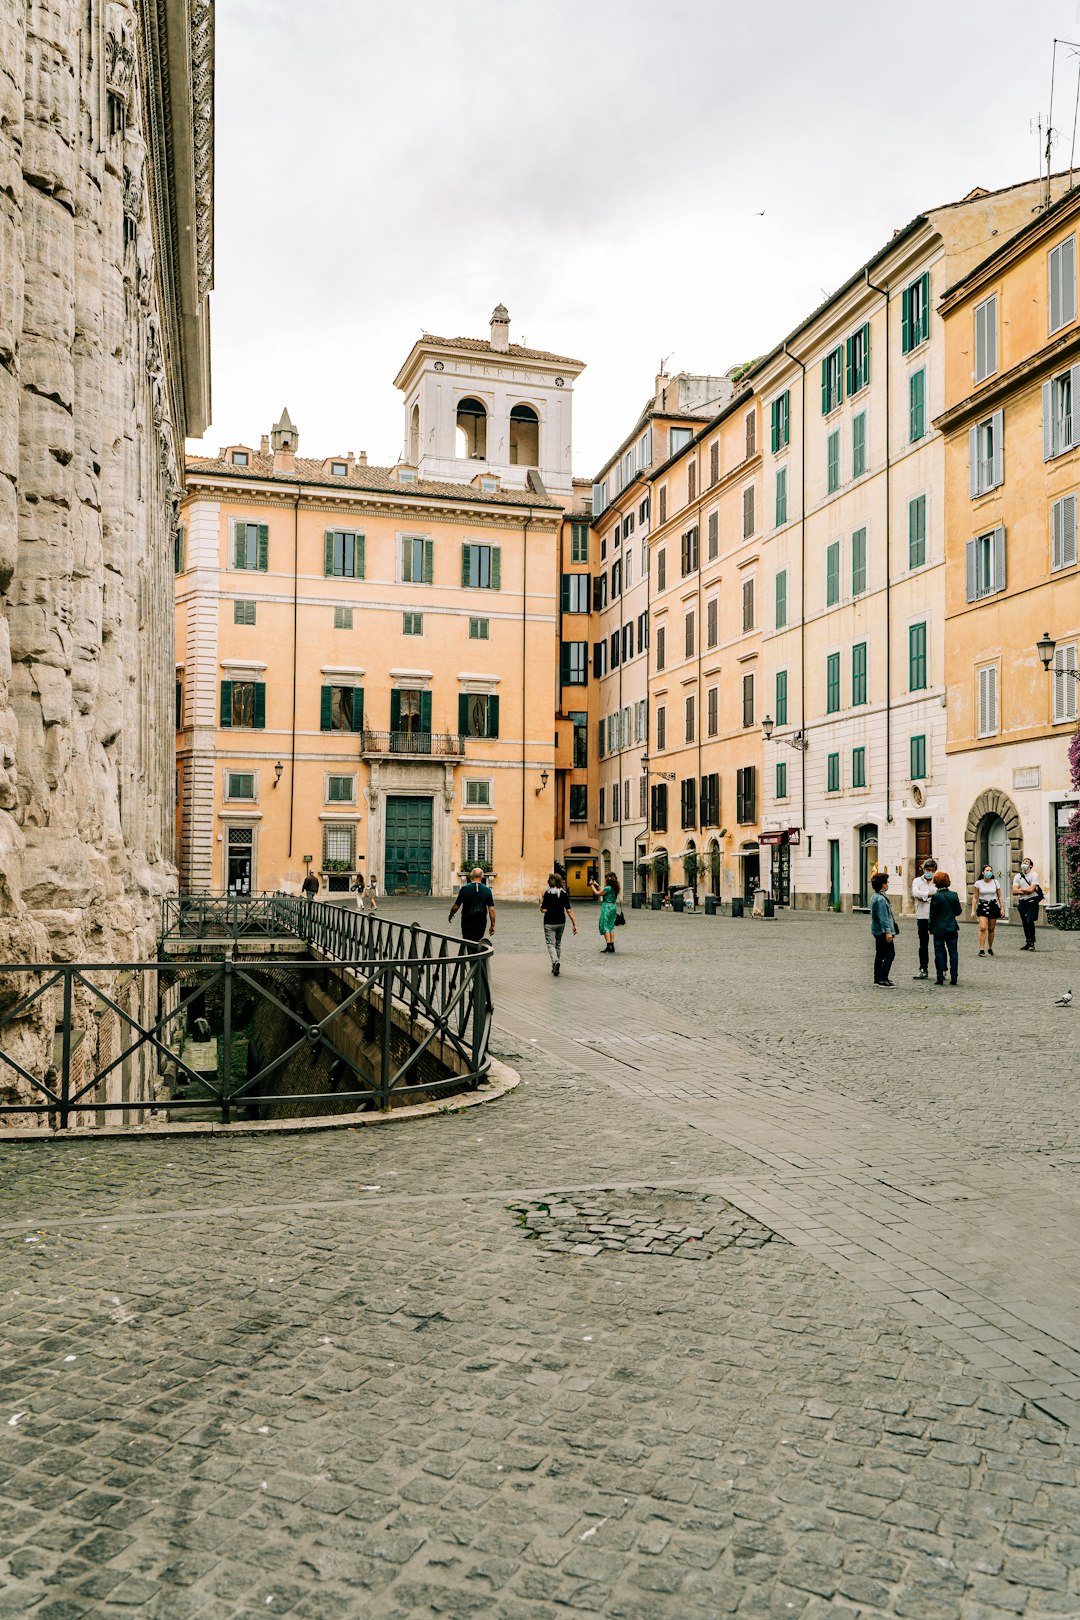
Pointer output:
x,y
471,430
524,437
414,436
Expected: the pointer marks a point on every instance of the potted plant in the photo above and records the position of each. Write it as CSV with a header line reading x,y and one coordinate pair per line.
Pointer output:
x,y
637,899
691,862
714,862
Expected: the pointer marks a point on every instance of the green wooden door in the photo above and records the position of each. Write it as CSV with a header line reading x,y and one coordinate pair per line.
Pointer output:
x,y
407,868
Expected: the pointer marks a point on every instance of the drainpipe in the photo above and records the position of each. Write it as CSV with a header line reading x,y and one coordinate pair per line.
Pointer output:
x,y
802,574
884,292
524,623
295,619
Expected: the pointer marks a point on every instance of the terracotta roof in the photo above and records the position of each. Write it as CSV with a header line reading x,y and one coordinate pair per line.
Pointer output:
x,y
484,346
364,479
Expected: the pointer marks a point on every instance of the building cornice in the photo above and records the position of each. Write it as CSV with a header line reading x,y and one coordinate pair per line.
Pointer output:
x,y
316,497
1016,247
1029,373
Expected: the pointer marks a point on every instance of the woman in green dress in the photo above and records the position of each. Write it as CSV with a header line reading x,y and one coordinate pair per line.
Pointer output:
x,y
609,905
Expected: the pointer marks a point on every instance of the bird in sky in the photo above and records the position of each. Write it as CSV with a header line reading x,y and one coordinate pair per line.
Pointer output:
x,y
1065,1000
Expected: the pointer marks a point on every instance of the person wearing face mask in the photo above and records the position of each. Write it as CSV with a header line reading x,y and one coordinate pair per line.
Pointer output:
x,y
922,892
1028,894
986,907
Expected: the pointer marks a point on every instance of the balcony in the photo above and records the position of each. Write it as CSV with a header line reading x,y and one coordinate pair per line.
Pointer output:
x,y
411,745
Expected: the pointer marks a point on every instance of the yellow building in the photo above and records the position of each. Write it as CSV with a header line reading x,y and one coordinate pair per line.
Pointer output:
x,y
1011,425
367,657
575,805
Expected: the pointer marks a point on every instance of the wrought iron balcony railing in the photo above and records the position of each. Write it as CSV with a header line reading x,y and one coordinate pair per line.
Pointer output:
x,y
413,744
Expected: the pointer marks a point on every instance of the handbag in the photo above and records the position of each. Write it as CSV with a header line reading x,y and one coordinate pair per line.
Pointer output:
x,y
620,920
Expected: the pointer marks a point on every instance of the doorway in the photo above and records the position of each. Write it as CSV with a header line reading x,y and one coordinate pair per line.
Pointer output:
x,y
781,873
239,860
994,852
924,841
407,865
834,874
868,859
1066,874
751,873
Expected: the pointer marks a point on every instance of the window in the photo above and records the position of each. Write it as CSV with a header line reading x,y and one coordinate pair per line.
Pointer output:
x,y
477,848
615,649
579,542
627,641
643,630
985,565
341,790
343,556
179,549
680,438
712,622
661,569
599,659
643,511
343,618
339,469
661,647
832,462
916,519
662,504
780,421
690,717
712,711
342,708
987,700
917,757
749,519
917,657
412,624
781,779
661,727
601,745
916,405
858,767
858,445
643,797
658,807
574,663
243,612
709,800
832,380
579,801
417,561
239,458
781,697
714,462
239,784
986,338
832,774
832,574
481,567
243,703
858,562
832,683
714,536
858,360
599,590
477,792
524,437
1066,688
915,313
641,710
580,721
1061,427
691,481
616,580
747,604
339,846
1061,270
251,546
575,593
986,458
748,699
780,512
746,794
628,569
179,717
781,599
478,714
690,551
688,802
688,627
1063,549
478,629
858,673
751,433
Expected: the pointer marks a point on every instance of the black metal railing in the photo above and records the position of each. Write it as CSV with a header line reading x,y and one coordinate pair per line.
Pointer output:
x,y
358,1023
218,916
442,745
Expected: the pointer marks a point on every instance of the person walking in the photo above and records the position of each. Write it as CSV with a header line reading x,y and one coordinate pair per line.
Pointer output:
x,y
1027,892
922,892
476,903
555,908
987,908
371,893
883,928
609,905
945,907
310,886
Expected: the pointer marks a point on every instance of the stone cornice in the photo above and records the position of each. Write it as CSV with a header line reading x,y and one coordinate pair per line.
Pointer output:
x,y
358,503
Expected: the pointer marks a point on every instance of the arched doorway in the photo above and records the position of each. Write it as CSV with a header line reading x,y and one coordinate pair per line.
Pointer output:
x,y
994,837
713,866
471,430
868,859
414,435
524,437
751,872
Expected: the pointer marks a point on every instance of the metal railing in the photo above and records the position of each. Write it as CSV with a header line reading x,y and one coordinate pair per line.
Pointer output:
x,y
442,745
218,916
383,997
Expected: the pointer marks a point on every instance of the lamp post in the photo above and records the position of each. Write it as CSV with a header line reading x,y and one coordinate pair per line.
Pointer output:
x,y
543,783
798,739
1046,647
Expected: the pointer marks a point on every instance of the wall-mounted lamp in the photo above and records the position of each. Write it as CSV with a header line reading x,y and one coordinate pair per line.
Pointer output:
x,y
278,769
798,739
543,783
1046,646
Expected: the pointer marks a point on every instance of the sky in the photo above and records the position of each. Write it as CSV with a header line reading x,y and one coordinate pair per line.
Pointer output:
x,y
637,180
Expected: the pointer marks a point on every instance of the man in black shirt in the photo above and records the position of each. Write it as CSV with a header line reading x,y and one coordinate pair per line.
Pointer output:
x,y
555,908
476,903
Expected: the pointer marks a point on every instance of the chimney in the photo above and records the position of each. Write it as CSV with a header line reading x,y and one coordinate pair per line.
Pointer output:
x,y
500,327
264,445
362,458
284,439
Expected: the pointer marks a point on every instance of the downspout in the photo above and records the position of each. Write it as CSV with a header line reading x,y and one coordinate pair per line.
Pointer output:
x,y
802,574
524,624
883,291
295,622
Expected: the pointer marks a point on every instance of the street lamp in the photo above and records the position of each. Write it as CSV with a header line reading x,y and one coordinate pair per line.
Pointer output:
x,y
798,739
278,768
543,783
1046,646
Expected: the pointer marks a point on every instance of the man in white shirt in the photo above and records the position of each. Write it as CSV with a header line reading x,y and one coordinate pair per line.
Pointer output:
x,y
1027,891
922,889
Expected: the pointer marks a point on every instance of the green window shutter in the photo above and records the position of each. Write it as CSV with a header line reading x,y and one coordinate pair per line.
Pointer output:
x,y
264,547
496,567
466,565
905,321
564,658
425,712
406,562
565,597
429,561
781,697
239,545
358,708
328,554
226,703
395,711
463,714
326,709
259,720
774,437
493,716
832,574
825,386
852,381
917,425
361,556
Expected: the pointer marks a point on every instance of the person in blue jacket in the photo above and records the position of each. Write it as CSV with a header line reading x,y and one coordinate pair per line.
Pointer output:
x,y
883,928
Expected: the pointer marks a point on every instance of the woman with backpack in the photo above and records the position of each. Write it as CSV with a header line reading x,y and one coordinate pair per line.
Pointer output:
x,y
609,906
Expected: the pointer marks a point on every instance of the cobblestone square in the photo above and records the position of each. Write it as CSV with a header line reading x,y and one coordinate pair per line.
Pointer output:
x,y
333,1374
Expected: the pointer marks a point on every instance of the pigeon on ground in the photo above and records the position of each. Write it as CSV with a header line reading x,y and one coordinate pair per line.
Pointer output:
x,y
1065,1000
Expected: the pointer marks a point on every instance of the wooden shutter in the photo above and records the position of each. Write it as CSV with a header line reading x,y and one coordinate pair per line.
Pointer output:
x,y
493,716
774,426
714,463
326,709
226,703
905,320
264,547
496,568
997,437
850,365
1057,535
564,663
328,553
361,555
395,710
988,701
425,712
825,386
971,575
973,464
1074,411
259,706
1068,530
1048,420
466,565
565,594
429,562
998,580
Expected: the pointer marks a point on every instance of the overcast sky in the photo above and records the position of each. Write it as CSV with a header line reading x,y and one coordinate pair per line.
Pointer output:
x,y
599,166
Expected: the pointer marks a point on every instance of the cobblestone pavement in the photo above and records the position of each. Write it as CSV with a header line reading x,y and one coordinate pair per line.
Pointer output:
x,y
335,1376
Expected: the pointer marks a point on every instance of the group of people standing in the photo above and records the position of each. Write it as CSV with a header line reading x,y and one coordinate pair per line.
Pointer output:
x,y
937,909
